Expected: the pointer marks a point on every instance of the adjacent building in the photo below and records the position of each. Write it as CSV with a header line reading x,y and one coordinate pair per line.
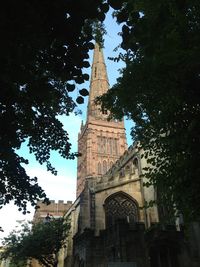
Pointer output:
x,y
54,209
46,212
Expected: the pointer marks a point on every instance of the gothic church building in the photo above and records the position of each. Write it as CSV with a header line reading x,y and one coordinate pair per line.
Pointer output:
x,y
109,225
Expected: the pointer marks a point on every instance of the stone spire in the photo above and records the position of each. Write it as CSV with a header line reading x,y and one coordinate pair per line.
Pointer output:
x,y
100,142
99,81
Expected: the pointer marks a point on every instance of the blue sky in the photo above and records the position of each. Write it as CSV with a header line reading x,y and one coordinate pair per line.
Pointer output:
x,y
63,186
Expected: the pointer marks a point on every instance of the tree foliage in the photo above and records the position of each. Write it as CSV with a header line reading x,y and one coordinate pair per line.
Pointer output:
x,y
43,52
41,242
99,32
159,90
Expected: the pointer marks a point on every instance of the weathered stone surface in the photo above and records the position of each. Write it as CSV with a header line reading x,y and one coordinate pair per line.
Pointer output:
x,y
110,224
100,142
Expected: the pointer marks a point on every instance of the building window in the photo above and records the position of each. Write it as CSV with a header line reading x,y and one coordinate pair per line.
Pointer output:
x,y
135,163
115,146
99,146
127,169
103,145
120,206
110,142
99,169
121,173
104,167
135,166
108,145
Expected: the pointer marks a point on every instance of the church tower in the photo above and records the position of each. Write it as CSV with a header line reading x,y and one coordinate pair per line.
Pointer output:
x,y
100,142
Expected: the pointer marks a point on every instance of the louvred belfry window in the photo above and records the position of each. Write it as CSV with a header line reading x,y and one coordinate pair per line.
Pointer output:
x,y
120,206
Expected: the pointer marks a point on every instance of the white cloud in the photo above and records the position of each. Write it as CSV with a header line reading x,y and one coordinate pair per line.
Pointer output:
x,y
72,125
58,187
62,186
9,215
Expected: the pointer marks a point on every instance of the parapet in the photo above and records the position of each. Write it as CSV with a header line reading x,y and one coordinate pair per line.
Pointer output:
x,y
55,209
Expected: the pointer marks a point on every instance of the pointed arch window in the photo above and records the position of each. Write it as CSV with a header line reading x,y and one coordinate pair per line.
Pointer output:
x,y
135,166
127,169
135,163
108,145
99,144
104,167
99,169
120,206
110,142
104,145
115,146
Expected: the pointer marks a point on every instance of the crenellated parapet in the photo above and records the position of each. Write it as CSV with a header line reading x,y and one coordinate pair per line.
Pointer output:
x,y
54,209
126,166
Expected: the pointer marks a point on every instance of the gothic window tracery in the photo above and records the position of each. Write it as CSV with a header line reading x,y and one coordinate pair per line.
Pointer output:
x,y
110,142
127,169
135,166
99,144
120,206
107,145
115,146
99,168
104,167
135,163
103,144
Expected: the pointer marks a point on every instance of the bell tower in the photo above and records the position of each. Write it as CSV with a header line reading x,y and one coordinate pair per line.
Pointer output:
x,y
100,142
